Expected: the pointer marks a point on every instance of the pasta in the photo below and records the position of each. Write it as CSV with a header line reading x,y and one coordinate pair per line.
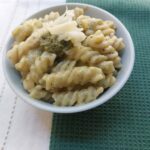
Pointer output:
x,y
69,78
86,22
99,41
117,62
12,54
28,84
85,55
91,25
41,65
66,59
78,12
88,56
117,43
51,16
108,82
16,53
107,28
64,65
39,93
23,66
26,61
69,98
23,31
107,67
95,39
24,47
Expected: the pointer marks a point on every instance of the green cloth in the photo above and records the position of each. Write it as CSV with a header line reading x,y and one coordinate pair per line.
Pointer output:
x,y
123,123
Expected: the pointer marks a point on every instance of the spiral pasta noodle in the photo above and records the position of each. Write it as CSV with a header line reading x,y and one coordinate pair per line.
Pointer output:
x,y
39,93
69,78
90,25
64,65
88,56
117,43
107,67
108,82
23,31
23,66
21,49
26,61
99,41
78,12
49,17
77,97
107,28
85,55
41,65
16,53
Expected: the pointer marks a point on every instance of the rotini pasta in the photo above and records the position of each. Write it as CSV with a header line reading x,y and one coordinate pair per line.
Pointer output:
x,y
87,22
95,39
85,55
108,81
39,93
117,43
16,53
64,65
51,16
107,28
12,54
90,25
21,49
26,61
23,31
99,41
41,65
77,97
28,84
76,76
67,59
78,12
107,67
110,24
23,66
117,62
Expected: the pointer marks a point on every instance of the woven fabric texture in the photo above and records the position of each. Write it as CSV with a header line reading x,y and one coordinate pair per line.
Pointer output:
x,y
124,121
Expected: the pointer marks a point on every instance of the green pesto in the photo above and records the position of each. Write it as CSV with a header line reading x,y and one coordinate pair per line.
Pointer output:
x,y
51,43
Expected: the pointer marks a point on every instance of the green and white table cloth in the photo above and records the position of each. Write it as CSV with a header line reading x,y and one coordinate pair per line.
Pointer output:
x,y
120,124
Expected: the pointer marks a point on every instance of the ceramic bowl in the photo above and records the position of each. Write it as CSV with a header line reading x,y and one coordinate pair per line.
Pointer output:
x,y
128,56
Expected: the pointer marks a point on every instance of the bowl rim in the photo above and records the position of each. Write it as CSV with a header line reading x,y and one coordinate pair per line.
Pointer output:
x,y
80,108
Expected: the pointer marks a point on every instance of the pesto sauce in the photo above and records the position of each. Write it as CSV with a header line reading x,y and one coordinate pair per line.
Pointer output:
x,y
51,43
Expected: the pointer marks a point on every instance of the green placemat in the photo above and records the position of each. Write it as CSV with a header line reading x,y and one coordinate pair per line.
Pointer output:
x,y
124,121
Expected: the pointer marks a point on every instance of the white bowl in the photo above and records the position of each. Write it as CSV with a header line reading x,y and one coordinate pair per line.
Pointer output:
x,y
128,57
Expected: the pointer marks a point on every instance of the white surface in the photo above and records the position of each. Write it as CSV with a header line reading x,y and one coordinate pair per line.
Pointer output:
x,y
22,127
127,63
